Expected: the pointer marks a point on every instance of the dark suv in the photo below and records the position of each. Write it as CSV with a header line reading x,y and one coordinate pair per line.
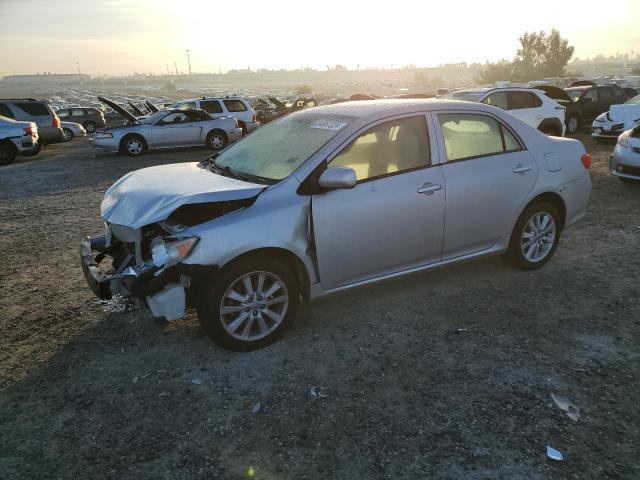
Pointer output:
x,y
588,102
90,118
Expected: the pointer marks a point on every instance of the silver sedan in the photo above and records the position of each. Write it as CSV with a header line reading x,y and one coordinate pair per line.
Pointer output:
x,y
624,162
71,130
331,198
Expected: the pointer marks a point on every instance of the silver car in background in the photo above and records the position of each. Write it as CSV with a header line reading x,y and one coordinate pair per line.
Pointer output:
x,y
166,129
330,198
71,130
624,162
16,138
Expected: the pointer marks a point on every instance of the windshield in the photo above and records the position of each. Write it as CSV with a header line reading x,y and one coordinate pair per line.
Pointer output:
x,y
575,94
274,151
153,118
634,100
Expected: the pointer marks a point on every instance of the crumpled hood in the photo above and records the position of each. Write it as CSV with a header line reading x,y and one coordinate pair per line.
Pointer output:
x,y
151,194
625,112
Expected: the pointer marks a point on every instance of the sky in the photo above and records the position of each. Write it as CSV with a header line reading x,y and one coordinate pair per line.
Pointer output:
x,y
125,36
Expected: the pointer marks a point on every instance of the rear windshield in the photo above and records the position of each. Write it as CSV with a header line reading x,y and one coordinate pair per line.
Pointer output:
x,y
235,106
33,108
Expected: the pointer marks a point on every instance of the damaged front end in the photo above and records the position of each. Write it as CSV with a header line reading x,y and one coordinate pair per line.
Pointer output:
x,y
145,264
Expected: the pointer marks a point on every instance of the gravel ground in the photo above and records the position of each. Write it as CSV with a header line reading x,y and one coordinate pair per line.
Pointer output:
x,y
87,392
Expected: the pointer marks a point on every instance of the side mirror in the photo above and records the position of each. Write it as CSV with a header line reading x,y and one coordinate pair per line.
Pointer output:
x,y
338,177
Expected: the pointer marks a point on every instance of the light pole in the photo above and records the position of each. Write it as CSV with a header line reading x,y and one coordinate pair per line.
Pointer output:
x,y
189,61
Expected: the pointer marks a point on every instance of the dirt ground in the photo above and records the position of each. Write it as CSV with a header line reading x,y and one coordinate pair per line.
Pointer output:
x,y
87,392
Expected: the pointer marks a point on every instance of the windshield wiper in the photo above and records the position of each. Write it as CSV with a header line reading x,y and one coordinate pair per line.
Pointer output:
x,y
230,172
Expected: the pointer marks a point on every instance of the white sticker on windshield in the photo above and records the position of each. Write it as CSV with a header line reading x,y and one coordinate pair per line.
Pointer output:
x,y
328,124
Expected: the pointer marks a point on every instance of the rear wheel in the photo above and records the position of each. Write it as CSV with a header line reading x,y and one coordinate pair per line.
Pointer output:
x,y
573,124
7,153
535,237
250,304
217,140
68,134
90,127
133,145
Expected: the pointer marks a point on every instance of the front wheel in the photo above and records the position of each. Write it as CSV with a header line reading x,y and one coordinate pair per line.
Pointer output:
x,y
133,145
90,127
535,237
249,305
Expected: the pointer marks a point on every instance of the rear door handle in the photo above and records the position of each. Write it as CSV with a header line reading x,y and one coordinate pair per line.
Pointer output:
x,y
521,169
428,188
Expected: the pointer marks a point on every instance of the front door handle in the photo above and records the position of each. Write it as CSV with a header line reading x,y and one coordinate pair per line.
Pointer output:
x,y
521,169
428,188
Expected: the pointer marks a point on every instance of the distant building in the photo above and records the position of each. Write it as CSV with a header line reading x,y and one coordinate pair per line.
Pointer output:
x,y
48,78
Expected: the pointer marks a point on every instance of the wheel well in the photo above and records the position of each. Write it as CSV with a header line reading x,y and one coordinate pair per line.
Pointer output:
x,y
130,135
551,124
286,257
9,144
218,131
555,200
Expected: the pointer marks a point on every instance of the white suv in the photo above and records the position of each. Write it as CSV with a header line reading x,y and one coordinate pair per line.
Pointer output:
x,y
236,107
530,105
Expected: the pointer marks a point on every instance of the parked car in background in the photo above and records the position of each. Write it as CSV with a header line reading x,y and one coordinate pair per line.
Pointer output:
x,y
38,112
618,119
90,118
71,130
16,138
217,107
624,162
630,91
530,105
589,101
166,129
330,198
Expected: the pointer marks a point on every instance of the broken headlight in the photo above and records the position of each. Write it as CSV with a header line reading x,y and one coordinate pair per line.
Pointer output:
x,y
166,254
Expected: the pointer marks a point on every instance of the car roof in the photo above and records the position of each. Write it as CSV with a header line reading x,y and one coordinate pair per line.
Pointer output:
x,y
489,89
234,97
377,108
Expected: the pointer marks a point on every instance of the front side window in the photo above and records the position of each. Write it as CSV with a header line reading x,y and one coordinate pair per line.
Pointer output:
x,y
276,150
605,93
592,94
468,135
211,106
498,99
391,147
235,106
177,117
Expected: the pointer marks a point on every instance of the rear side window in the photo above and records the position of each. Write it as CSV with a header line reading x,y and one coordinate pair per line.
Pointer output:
x,y
211,106
519,100
33,108
64,113
235,105
498,99
617,91
77,112
5,112
468,135
592,94
188,106
605,93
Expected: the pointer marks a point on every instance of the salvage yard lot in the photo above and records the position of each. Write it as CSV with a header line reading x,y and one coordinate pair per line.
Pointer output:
x,y
90,393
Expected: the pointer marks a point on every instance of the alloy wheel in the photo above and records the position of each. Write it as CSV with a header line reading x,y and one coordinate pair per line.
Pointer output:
x,y
90,128
573,125
254,305
538,237
67,135
217,142
134,146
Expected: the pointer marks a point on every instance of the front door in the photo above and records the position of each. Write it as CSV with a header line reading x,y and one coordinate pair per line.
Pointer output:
x,y
392,220
175,130
488,173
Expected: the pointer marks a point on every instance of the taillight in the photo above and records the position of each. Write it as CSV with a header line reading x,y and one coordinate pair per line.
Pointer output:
x,y
586,161
254,118
55,122
27,130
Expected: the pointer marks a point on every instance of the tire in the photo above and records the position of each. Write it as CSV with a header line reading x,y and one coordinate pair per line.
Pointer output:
x,y
133,145
7,153
243,126
259,323
573,124
217,140
90,127
68,134
38,148
543,247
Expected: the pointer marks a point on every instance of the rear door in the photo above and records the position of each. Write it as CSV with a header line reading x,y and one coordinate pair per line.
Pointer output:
x,y
592,105
488,173
392,220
